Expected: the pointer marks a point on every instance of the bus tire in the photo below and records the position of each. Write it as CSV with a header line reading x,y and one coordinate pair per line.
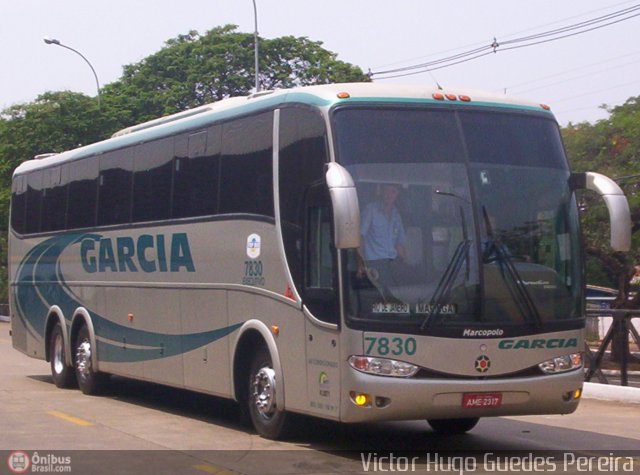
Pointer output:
x,y
268,420
89,380
63,375
453,426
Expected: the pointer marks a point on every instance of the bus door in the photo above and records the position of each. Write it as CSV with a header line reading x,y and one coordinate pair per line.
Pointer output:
x,y
320,305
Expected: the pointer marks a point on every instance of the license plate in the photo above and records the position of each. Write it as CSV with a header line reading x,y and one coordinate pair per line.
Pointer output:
x,y
481,400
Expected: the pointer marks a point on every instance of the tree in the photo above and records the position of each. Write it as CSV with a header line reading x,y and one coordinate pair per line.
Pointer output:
x,y
194,69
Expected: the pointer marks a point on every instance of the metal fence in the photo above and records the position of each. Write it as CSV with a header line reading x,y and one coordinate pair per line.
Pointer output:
x,y
620,332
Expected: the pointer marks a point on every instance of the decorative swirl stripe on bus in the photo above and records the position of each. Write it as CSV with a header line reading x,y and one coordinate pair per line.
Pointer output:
x,y
40,284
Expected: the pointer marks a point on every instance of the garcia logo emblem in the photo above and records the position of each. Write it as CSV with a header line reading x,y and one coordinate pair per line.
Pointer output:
x,y
483,363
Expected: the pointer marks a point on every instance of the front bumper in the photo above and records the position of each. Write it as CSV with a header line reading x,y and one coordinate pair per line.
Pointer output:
x,y
413,398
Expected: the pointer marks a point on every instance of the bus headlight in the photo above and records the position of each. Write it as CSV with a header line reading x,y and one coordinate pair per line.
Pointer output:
x,y
383,366
560,364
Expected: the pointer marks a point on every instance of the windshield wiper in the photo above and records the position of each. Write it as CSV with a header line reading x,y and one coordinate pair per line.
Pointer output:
x,y
518,290
460,255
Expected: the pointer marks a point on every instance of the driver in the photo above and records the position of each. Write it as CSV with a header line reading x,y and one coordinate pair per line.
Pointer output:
x,y
383,239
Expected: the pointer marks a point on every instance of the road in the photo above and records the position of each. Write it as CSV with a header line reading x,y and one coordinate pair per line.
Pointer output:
x,y
137,427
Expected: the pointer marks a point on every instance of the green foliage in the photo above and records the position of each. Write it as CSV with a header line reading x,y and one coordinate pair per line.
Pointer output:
x,y
610,147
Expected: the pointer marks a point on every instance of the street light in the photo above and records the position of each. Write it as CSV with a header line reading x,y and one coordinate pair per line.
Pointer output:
x,y
255,43
53,41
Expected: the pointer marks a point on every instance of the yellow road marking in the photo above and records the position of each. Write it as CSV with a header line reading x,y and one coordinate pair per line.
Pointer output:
x,y
68,418
212,469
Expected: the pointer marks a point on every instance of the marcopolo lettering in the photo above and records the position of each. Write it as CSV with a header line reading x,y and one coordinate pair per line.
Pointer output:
x,y
487,332
538,343
147,254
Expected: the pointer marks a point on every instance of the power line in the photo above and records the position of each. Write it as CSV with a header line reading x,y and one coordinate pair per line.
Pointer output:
x,y
474,45
527,41
573,78
579,68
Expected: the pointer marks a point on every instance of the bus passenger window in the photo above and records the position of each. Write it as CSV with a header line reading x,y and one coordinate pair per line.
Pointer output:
x,y
152,180
114,198
83,193
34,202
246,173
18,204
196,170
54,200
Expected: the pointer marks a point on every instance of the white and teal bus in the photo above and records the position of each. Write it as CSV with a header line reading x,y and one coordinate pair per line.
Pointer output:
x,y
219,250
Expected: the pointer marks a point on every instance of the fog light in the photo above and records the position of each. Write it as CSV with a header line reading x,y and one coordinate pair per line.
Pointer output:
x,y
360,399
560,364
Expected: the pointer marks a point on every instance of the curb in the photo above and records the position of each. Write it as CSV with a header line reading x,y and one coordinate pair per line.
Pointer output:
x,y
606,392
4,319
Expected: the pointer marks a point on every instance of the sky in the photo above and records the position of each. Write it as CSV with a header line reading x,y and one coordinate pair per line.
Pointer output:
x,y
575,75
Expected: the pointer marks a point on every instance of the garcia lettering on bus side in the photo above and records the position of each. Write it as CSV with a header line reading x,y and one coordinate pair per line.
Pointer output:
x,y
147,253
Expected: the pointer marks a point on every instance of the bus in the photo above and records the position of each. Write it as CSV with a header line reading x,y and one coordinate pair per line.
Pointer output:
x,y
221,250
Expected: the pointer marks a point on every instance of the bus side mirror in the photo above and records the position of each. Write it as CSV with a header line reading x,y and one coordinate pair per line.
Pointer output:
x,y
346,211
617,204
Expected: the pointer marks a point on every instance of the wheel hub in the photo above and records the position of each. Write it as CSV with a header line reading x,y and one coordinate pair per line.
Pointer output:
x,y
83,359
58,354
264,392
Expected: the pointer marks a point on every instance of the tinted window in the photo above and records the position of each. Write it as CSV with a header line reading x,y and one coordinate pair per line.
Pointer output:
x,y
34,202
509,139
303,155
397,136
83,193
246,179
152,180
18,203
196,173
115,187
54,200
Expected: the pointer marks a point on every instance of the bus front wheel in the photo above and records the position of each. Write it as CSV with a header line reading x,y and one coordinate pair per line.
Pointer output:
x,y
63,375
89,380
453,426
269,420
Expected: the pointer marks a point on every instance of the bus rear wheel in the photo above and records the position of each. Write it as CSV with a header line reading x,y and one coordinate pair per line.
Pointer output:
x,y
267,418
89,380
453,426
62,374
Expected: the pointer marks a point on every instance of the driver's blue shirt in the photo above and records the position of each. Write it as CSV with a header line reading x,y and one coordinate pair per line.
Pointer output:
x,y
381,233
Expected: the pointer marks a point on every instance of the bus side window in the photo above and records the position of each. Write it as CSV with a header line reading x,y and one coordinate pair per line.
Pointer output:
x,y
34,202
246,172
18,204
83,193
115,187
54,200
196,173
153,167
302,159
320,289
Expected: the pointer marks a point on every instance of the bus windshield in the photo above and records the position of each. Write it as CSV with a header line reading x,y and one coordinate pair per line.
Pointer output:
x,y
467,218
